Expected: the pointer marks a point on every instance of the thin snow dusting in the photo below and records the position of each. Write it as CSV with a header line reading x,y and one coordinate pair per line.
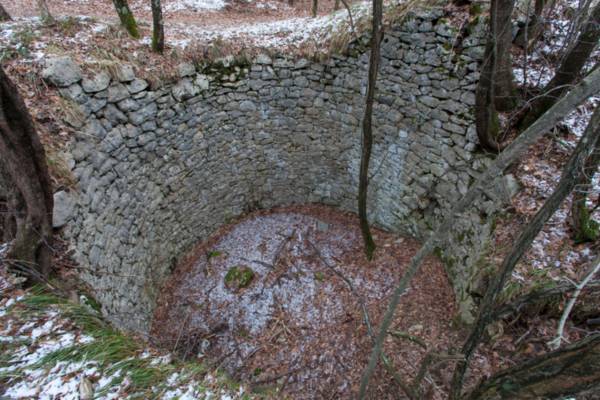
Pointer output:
x,y
297,319
194,5
534,70
283,33
26,377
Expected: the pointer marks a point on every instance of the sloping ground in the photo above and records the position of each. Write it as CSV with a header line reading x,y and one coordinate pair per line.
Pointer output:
x,y
51,348
259,23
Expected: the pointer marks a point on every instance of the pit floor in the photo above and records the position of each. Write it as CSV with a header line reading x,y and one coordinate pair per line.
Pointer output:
x,y
298,328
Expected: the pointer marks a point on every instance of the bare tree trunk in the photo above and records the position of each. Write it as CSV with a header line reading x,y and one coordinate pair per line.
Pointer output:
x,y
336,5
569,70
45,15
588,87
24,160
495,90
4,15
315,6
8,208
367,128
158,31
126,17
530,33
585,229
504,89
568,371
571,173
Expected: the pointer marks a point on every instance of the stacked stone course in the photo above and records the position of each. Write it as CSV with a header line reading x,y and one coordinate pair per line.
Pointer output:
x,y
160,170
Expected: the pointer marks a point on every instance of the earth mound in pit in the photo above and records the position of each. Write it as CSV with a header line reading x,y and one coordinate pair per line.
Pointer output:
x,y
268,298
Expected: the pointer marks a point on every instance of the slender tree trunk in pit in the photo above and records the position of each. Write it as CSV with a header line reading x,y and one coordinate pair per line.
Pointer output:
x,y
23,158
126,17
367,130
158,31
315,6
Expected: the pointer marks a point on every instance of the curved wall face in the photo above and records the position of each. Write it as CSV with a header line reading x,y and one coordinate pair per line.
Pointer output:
x,y
158,171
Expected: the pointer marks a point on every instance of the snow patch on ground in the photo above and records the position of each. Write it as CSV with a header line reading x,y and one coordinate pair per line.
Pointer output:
x,y
194,5
48,332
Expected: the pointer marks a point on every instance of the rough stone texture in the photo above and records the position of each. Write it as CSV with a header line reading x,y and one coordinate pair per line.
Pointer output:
x,y
159,171
61,71
63,209
96,83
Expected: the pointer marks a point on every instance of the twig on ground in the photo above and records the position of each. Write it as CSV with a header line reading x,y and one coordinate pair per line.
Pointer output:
x,y
557,341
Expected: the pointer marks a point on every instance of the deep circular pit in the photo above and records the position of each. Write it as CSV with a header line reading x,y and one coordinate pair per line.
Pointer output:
x,y
268,299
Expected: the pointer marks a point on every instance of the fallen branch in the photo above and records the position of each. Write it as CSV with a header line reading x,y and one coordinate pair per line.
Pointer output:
x,y
594,268
536,296
408,336
558,374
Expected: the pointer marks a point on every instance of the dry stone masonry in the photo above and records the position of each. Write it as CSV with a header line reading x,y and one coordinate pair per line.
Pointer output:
x,y
160,170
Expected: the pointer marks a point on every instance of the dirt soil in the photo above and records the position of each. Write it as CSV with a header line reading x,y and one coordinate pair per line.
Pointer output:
x,y
190,13
298,327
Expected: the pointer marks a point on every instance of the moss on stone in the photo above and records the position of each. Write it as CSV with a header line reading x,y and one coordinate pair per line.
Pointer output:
x,y
589,229
239,277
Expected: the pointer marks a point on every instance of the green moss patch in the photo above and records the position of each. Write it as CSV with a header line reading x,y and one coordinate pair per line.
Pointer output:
x,y
239,277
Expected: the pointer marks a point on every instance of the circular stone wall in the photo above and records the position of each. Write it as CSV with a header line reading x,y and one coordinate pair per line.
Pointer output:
x,y
160,170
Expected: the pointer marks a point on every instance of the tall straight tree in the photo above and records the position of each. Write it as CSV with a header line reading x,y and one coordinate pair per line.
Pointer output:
x,y
569,70
45,14
24,161
495,90
126,17
367,129
158,31
4,15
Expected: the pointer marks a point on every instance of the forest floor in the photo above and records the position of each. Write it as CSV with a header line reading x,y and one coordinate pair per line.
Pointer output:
x,y
34,326
53,348
279,298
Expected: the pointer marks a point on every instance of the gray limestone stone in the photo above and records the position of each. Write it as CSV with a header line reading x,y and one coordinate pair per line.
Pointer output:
x,y
186,69
124,72
184,90
61,71
142,115
263,59
64,207
96,82
117,92
247,106
137,85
